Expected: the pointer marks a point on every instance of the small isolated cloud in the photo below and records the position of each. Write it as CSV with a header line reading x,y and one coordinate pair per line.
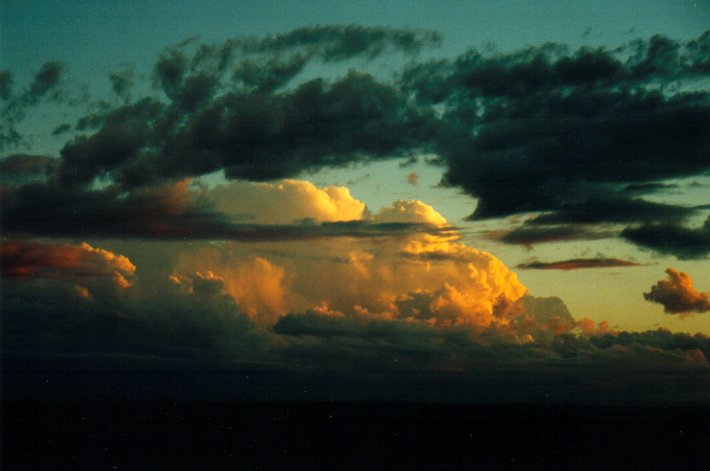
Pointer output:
x,y
677,294
576,263
413,178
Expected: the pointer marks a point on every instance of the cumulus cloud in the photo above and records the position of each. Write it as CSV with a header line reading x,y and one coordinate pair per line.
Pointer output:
x,y
677,294
410,211
285,202
383,276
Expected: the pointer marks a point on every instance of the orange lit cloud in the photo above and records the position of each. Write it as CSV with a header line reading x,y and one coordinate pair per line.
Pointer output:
x,y
677,294
258,286
285,202
410,211
415,277
77,263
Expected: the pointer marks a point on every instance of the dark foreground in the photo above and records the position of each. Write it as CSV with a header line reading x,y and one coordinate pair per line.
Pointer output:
x,y
146,435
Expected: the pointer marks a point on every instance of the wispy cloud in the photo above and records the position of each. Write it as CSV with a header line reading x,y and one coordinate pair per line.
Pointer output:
x,y
577,263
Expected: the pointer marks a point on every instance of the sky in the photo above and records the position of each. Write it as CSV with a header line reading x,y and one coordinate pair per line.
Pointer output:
x,y
489,195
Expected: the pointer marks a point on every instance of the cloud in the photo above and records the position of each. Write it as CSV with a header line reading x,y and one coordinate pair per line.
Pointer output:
x,y
410,211
578,263
543,129
181,210
45,81
285,202
615,210
528,234
187,70
251,135
341,42
227,108
47,86
374,269
673,239
60,297
431,332
78,263
24,168
5,84
122,82
677,294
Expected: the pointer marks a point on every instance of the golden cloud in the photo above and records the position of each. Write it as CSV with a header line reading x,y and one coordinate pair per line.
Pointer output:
x,y
415,277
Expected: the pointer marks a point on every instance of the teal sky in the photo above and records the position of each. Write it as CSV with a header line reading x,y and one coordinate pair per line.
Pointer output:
x,y
96,36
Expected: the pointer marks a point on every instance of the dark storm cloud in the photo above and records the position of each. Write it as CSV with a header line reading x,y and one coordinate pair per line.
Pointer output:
x,y
677,294
227,109
577,263
617,210
588,220
672,239
251,135
543,129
